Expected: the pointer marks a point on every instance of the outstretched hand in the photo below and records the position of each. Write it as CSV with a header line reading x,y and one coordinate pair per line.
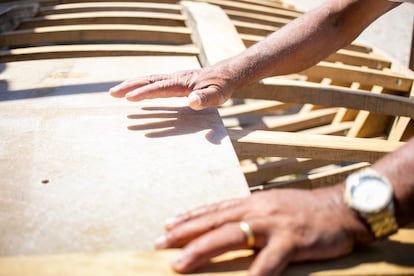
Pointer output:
x,y
204,87
288,226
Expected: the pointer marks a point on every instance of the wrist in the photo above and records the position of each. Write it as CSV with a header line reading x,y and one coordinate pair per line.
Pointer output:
x,y
356,228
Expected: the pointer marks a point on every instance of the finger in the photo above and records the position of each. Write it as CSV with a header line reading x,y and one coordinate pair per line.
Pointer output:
x,y
203,98
159,89
203,210
124,87
186,232
200,251
273,258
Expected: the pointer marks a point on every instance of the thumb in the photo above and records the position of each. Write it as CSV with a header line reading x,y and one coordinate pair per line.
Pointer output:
x,y
203,98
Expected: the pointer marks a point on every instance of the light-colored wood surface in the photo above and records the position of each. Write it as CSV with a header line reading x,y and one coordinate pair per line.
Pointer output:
x,y
82,171
257,143
390,257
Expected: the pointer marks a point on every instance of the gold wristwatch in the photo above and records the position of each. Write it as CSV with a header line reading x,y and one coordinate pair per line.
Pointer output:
x,y
371,195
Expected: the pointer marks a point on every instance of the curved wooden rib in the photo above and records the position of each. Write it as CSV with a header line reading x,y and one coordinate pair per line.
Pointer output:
x,y
96,50
75,33
109,6
117,17
303,92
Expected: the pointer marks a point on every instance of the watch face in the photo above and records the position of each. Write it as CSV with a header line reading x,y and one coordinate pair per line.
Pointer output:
x,y
371,194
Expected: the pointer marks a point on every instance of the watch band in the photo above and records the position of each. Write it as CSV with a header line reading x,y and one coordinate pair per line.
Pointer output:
x,y
383,223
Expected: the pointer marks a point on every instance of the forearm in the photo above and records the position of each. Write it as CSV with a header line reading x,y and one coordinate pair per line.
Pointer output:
x,y
306,40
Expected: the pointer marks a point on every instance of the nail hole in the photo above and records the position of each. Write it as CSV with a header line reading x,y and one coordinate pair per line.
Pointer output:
x,y
398,81
45,181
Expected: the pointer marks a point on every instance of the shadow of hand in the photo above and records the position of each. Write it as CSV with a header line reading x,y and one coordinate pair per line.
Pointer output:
x,y
160,121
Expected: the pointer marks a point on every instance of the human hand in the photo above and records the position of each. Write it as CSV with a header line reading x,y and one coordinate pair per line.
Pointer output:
x,y
289,225
209,86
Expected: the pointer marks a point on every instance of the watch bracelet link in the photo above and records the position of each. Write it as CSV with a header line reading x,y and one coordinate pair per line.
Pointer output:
x,y
383,224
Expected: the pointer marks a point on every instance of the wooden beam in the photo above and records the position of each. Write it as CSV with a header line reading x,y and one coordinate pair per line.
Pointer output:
x,y
365,76
250,144
334,96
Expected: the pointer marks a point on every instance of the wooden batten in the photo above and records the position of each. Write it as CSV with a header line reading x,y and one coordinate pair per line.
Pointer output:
x,y
103,32
252,144
96,50
107,17
110,6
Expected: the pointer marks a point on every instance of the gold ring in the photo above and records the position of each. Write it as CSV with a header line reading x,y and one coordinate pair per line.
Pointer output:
x,y
245,227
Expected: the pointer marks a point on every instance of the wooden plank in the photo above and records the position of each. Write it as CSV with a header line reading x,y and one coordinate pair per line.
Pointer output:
x,y
254,28
95,50
58,2
213,32
359,59
257,174
232,5
303,92
251,144
107,17
321,179
270,20
295,122
376,259
365,76
340,129
253,107
78,166
104,32
110,6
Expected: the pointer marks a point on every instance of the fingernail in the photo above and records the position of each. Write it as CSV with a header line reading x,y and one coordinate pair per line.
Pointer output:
x,y
195,101
180,262
161,242
169,222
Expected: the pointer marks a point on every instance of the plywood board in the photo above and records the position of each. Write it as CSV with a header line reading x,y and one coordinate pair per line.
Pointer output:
x,y
82,171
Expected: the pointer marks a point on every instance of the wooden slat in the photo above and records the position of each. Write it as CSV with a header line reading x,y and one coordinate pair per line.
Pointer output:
x,y
77,33
365,76
296,122
253,28
284,144
107,17
253,107
303,92
232,5
257,18
110,6
321,179
260,173
90,50
58,2
359,59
